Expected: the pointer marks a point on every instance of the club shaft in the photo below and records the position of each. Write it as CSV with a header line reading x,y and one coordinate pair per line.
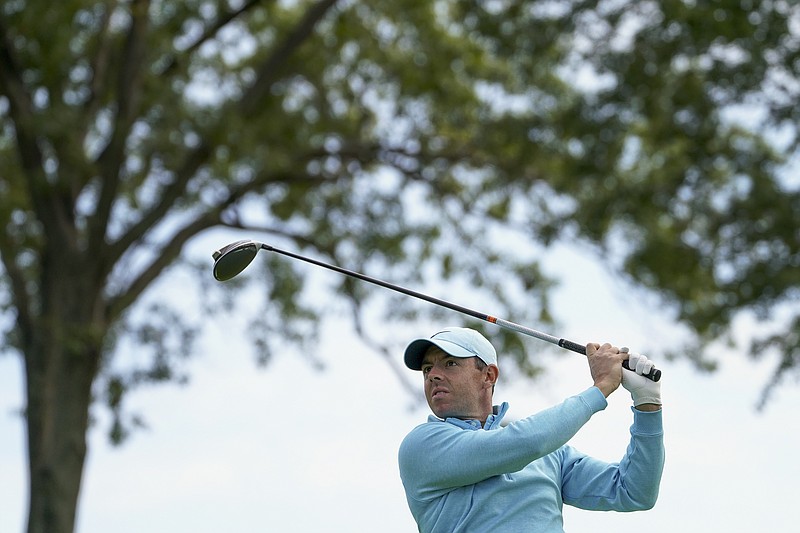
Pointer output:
x,y
655,375
392,286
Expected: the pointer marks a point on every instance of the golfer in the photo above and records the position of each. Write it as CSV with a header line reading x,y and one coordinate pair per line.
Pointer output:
x,y
465,472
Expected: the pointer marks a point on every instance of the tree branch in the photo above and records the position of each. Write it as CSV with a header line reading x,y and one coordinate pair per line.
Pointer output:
x,y
20,104
21,109
20,297
223,20
209,218
386,353
269,69
200,154
128,90
100,63
163,259
168,197
171,250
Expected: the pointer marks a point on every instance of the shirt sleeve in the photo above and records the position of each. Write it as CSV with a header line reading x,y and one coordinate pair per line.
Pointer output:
x,y
630,485
438,456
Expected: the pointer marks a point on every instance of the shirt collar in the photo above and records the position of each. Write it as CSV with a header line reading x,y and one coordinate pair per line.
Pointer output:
x,y
492,421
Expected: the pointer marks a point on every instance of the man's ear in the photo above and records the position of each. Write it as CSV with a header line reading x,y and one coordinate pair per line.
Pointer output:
x,y
492,373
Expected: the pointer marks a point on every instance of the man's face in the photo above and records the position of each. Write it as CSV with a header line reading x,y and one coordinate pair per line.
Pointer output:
x,y
455,386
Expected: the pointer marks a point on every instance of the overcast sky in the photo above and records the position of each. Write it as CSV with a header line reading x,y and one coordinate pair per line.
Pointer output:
x,y
292,449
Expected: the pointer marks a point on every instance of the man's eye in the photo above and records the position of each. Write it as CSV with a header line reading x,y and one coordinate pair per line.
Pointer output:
x,y
426,369
452,362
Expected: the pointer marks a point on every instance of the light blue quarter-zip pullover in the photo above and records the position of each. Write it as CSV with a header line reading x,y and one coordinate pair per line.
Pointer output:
x,y
461,477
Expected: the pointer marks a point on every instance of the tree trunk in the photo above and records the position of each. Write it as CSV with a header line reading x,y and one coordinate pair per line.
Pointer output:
x,y
62,347
59,382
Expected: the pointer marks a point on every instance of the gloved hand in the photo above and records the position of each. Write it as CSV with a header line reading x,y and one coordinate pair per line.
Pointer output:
x,y
642,390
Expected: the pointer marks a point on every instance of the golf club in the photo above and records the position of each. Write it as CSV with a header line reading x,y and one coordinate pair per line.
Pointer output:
x,y
232,259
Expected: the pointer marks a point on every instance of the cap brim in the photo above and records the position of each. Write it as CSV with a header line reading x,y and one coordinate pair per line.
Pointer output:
x,y
415,351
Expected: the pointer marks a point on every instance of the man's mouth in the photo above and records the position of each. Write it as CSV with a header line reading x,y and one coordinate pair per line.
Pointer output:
x,y
438,393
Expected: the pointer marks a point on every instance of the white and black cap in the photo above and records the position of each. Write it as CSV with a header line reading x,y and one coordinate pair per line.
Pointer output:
x,y
457,342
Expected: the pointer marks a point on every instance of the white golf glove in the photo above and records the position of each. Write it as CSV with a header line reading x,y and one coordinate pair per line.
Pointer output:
x,y
642,389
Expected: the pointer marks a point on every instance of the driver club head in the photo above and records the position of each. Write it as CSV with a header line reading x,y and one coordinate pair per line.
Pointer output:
x,y
230,260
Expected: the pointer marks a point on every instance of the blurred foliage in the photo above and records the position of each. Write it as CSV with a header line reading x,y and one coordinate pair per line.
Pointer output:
x,y
395,138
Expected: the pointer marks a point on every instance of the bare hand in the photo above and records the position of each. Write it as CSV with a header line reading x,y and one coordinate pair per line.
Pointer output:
x,y
605,365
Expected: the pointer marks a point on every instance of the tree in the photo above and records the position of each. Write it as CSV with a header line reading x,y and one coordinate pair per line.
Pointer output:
x,y
386,138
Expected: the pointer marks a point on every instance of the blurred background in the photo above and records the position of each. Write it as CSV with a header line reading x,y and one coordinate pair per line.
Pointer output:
x,y
601,170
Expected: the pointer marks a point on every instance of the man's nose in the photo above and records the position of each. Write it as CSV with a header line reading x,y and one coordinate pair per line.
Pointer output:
x,y
434,374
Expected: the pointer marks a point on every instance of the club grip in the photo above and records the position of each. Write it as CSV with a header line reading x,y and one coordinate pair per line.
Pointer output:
x,y
654,374
574,346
